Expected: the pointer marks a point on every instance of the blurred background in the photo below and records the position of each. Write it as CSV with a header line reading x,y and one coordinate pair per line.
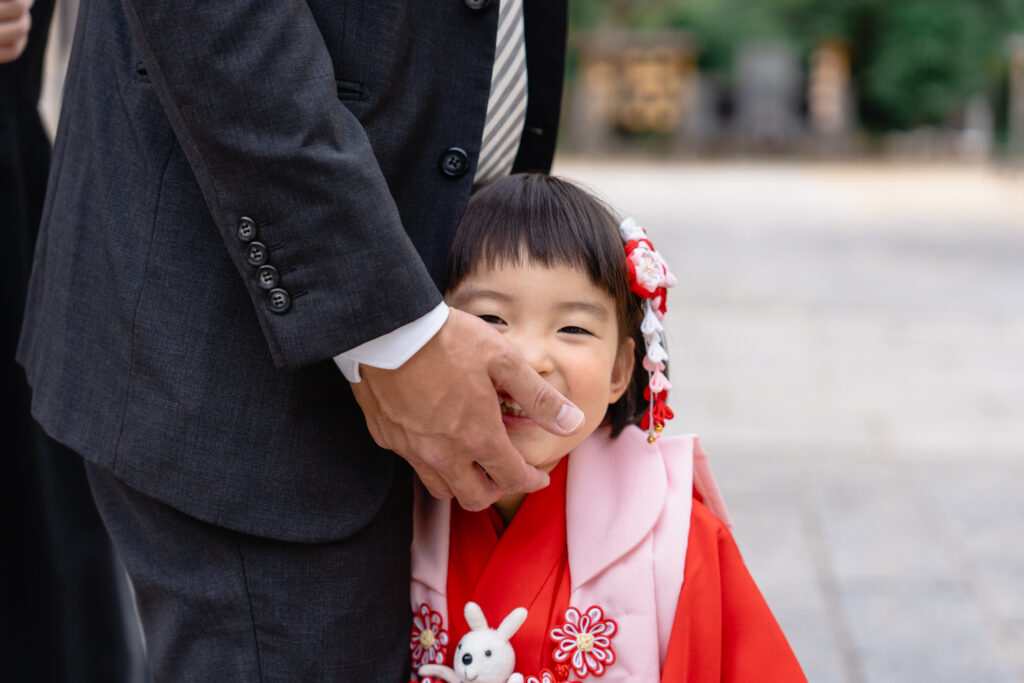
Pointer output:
x,y
838,187
822,78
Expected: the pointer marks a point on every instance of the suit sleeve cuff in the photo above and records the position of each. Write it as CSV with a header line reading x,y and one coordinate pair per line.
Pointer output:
x,y
389,351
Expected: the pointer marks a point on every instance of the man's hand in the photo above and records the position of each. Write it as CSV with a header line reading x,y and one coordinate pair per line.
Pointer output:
x,y
440,412
15,22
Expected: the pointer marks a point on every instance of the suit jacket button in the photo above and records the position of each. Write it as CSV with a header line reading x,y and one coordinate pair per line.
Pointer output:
x,y
246,230
455,162
278,300
256,253
267,277
477,4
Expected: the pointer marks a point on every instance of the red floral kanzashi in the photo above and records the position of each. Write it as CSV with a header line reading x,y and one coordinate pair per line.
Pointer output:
x,y
648,274
659,412
429,640
585,641
547,677
650,278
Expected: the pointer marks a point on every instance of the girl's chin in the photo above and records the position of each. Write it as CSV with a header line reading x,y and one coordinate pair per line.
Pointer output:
x,y
539,447
541,457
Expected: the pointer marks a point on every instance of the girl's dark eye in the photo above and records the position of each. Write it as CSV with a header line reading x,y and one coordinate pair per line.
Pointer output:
x,y
574,329
492,319
487,653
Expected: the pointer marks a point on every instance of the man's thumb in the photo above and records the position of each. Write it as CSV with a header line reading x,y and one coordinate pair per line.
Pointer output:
x,y
569,418
541,401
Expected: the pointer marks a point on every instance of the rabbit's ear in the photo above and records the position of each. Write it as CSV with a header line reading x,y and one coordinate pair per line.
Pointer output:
x,y
475,617
512,622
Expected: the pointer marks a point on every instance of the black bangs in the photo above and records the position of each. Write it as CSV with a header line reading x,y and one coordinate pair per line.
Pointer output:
x,y
538,218
535,217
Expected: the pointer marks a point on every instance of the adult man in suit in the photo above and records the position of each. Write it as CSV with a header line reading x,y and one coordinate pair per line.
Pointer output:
x,y
243,190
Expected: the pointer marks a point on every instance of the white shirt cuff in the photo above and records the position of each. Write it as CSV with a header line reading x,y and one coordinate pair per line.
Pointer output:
x,y
389,351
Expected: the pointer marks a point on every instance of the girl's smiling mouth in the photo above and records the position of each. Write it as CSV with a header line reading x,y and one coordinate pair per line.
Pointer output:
x,y
509,407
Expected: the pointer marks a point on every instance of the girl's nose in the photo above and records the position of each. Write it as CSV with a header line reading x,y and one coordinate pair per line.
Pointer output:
x,y
537,353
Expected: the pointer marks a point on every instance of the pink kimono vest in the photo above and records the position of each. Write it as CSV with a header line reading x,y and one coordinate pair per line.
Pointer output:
x,y
627,523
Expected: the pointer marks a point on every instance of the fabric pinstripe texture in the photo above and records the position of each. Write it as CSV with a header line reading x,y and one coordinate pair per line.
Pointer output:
x,y
506,107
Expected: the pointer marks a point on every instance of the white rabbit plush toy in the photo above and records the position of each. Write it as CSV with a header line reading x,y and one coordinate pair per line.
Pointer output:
x,y
484,655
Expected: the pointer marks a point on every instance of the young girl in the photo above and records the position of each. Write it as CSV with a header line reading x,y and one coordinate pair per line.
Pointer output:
x,y
624,562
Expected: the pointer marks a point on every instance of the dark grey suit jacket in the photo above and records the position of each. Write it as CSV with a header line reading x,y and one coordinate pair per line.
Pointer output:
x,y
151,346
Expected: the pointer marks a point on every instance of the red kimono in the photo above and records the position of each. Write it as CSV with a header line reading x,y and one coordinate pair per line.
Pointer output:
x,y
722,629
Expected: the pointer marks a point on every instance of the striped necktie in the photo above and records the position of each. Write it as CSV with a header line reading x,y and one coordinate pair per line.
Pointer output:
x,y
506,107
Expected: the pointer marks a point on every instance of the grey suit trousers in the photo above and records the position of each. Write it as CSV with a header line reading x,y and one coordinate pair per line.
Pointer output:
x,y
224,606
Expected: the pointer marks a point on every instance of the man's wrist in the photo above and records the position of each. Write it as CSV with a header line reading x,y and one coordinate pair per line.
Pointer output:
x,y
391,350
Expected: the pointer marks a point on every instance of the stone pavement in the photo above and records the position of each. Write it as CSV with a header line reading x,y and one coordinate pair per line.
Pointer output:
x,y
849,342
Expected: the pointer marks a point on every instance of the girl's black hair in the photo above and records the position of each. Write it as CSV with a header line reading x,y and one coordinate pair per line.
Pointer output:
x,y
547,220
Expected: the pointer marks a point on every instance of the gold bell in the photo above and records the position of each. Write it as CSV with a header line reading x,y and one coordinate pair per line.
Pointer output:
x,y
658,427
651,438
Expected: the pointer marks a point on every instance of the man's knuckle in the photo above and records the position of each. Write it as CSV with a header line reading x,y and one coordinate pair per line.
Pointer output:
x,y
440,492
377,434
474,502
503,361
512,483
476,442
434,484
433,457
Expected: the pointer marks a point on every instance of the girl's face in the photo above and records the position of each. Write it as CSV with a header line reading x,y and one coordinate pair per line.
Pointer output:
x,y
567,329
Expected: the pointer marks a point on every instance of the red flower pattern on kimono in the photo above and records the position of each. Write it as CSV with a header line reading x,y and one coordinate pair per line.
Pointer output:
x,y
429,640
547,677
585,641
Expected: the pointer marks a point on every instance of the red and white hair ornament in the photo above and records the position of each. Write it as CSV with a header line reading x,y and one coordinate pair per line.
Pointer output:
x,y
649,278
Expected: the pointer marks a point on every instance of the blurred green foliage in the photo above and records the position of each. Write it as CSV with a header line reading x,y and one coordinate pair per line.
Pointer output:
x,y
913,62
